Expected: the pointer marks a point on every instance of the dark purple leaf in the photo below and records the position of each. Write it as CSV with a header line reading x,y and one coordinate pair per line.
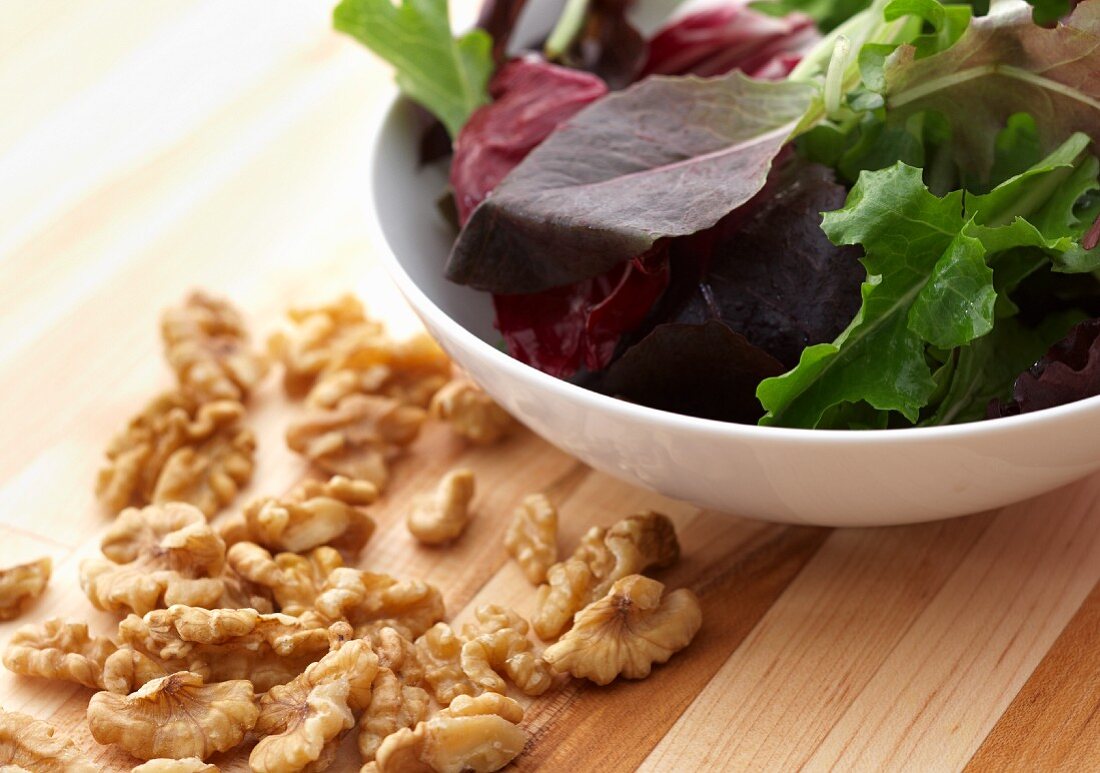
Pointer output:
x,y
609,45
530,99
667,157
703,370
772,284
498,18
1069,371
778,280
717,40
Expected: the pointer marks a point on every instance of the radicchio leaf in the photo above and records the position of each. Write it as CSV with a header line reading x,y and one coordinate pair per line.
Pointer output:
x,y
1052,76
667,157
530,99
560,330
716,40
1069,371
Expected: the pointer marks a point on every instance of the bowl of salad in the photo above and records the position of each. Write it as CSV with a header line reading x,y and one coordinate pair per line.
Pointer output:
x,y
828,263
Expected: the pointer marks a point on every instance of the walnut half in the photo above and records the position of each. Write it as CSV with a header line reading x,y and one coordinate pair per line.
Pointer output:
x,y
442,516
470,412
627,631
22,584
59,650
30,744
175,716
473,734
532,537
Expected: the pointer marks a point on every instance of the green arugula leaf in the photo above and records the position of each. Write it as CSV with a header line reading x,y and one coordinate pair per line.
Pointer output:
x,y
931,265
447,75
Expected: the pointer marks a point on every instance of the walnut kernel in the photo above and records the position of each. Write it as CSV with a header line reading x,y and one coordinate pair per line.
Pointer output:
x,y
357,437
311,515
175,716
443,515
439,651
298,720
477,734
627,631
499,643
156,556
470,412
532,537
207,345
31,744
165,765
179,449
293,580
395,704
372,601
59,650
633,545
22,584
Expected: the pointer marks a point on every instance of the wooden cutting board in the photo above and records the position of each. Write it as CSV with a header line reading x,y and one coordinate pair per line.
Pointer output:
x,y
146,148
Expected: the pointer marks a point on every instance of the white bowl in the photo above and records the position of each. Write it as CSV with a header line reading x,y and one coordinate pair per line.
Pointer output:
x,y
830,478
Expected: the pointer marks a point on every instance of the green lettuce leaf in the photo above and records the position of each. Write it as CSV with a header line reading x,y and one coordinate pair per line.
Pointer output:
x,y
1002,65
447,75
930,262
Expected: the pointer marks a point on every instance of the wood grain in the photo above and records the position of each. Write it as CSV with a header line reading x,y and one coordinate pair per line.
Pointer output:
x,y
147,148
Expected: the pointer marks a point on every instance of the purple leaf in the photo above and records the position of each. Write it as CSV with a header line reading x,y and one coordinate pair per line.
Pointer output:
x,y
1069,371
667,157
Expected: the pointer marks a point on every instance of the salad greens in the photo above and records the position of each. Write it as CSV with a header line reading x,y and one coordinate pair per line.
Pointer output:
x,y
445,74
868,233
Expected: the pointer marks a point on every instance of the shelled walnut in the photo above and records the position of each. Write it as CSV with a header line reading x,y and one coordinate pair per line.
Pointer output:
x,y
20,585
165,765
175,716
293,580
395,704
498,643
470,412
633,545
409,371
326,338
439,651
358,437
314,513
157,556
372,601
179,449
300,719
474,734
59,650
627,631
227,644
532,537
442,515
207,345
30,744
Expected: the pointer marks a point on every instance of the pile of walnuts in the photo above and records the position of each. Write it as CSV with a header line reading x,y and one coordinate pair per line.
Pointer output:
x,y
259,630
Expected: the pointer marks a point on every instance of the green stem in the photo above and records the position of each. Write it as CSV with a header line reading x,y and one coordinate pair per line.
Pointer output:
x,y
567,29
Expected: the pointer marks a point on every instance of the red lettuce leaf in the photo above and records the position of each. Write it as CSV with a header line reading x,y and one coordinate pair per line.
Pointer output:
x,y
1069,371
716,40
666,157
772,284
530,99
559,331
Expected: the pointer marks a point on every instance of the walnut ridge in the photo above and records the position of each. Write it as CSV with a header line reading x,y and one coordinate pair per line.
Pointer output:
x,y
627,631
532,537
20,585
59,650
175,716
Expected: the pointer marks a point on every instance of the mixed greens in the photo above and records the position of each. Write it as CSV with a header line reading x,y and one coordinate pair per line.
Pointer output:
x,y
889,222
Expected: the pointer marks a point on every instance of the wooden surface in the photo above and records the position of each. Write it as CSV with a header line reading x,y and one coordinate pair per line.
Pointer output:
x,y
149,147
